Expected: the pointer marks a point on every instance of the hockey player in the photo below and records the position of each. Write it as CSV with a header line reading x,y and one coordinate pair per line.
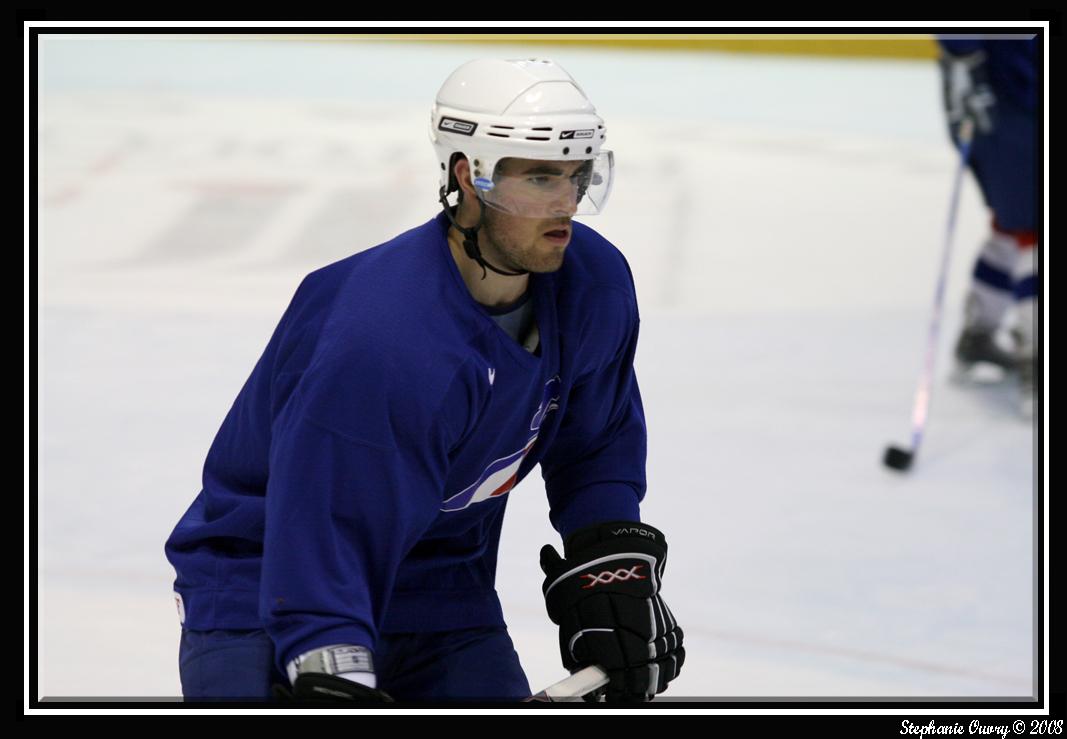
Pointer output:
x,y
344,544
991,81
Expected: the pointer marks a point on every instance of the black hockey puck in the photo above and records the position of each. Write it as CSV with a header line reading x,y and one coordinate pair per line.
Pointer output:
x,y
897,458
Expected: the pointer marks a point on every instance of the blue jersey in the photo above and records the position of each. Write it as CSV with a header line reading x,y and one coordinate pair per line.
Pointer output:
x,y
358,484
1004,161
1010,63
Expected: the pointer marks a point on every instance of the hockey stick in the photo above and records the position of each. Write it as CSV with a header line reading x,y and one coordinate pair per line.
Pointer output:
x,y
895,457
571,689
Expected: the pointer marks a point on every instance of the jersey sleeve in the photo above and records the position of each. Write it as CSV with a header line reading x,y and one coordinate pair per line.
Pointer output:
x,y
595,470
358,461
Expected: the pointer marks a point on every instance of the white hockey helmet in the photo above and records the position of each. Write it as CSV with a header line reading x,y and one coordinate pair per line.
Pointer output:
x,y
490,110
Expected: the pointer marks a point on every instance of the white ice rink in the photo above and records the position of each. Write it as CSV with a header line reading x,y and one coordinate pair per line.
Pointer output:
x,y
783,218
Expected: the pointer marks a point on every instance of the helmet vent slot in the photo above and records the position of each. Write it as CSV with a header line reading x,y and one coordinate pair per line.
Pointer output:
x,y
498,135
538,138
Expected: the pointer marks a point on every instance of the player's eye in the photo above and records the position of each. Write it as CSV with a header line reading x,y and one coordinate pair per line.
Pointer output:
x,y
582,174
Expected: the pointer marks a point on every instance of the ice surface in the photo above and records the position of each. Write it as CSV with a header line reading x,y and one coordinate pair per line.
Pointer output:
x,y
783,218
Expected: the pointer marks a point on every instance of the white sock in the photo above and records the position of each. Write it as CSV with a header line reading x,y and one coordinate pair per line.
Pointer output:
x,y
987,304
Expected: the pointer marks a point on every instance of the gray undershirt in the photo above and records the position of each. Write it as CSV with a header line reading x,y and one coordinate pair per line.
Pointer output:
x,y
517,320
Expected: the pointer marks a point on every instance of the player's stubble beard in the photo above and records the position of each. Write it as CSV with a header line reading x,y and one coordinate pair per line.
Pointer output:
x,y
509,252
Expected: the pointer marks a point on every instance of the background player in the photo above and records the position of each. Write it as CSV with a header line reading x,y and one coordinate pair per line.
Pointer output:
x,y
992,82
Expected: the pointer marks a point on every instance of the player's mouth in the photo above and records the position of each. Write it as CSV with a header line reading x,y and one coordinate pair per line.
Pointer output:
x,y
558,235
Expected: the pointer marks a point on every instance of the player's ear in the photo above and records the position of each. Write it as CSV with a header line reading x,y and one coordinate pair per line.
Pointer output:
x,y
461,176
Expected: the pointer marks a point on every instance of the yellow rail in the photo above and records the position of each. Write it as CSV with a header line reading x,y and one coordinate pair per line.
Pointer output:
x,y
906,46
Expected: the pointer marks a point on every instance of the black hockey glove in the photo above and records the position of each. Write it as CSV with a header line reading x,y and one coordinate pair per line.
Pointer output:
x,y
966,91
316,678
605,598
321,689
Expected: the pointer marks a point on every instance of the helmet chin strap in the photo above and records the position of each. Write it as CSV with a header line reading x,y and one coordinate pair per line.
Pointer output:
x,y
470,239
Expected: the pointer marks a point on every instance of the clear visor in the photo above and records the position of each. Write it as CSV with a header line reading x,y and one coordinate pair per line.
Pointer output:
x,y
537,188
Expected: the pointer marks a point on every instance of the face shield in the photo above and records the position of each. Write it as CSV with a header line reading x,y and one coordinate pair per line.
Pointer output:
x,y
538,188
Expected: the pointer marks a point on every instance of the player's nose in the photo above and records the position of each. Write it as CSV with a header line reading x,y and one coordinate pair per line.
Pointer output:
x,y
566,205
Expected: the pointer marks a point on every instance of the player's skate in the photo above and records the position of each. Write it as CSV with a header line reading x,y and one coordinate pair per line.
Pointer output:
x,y
980,358
1023,334
1027,358
1027,389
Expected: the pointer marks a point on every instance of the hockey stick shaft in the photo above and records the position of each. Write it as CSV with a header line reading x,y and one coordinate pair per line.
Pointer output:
x,y
922,394
572,688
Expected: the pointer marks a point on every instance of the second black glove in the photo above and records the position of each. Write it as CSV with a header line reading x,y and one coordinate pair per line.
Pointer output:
x,y
320,689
